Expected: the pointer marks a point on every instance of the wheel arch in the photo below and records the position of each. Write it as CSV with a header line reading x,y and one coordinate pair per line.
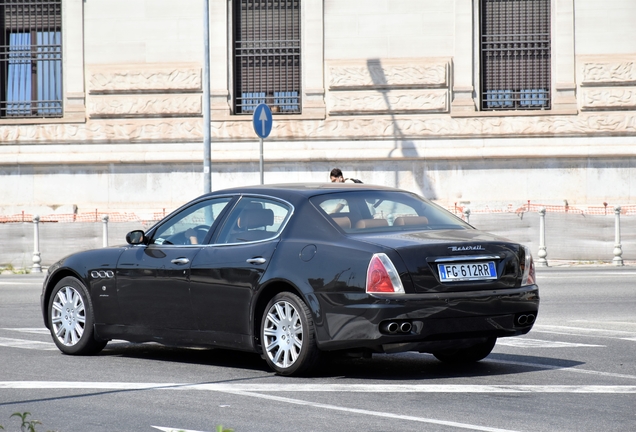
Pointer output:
x,y
265,295
50,284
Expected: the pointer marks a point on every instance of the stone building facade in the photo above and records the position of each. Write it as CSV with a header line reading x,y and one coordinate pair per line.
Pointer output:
x,y
391,92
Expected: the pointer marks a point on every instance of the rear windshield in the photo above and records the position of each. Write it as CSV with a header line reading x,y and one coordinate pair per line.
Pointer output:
x,y
385,211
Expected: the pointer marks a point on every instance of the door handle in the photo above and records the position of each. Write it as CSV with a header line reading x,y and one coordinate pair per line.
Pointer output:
x,y
180,261
258,260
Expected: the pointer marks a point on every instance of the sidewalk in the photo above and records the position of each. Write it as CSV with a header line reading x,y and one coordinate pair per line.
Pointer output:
x,y
582,264
30,276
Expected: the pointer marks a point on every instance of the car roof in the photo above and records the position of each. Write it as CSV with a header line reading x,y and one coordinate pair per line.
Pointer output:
x,y
302,189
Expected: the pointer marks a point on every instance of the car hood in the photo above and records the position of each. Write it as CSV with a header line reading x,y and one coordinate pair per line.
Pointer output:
x,y
423,251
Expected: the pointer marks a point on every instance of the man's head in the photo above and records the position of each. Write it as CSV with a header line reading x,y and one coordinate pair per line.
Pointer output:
x,y
336,176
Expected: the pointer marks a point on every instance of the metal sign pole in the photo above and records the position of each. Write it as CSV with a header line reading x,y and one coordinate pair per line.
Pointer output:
x,y
261,163
207,146
262,122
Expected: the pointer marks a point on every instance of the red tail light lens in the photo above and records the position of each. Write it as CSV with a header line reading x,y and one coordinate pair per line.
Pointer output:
x,y
382,277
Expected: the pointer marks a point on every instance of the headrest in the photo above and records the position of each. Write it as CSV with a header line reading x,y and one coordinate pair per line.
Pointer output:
x,y
343,221
410,220
371,223
256,218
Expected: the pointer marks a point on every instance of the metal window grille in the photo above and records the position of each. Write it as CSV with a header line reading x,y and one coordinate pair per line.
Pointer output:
x,y
515,54
267,55
31,58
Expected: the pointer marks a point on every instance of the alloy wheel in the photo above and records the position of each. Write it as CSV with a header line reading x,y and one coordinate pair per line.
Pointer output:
x,y
68,316
283,333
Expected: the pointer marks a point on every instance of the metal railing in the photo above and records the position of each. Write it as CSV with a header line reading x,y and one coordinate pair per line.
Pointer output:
x,y
552,232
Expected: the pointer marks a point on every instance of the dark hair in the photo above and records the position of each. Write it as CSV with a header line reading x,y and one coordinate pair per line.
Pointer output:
x,y
335,173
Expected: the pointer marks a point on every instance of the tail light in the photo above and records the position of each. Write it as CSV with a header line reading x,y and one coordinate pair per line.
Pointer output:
x,y
529,277
382,277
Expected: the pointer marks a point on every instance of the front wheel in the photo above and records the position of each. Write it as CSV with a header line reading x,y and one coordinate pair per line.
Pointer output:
x,y
70,315
472,354
287,335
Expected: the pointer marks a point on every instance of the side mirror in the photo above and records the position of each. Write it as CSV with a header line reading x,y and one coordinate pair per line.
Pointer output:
x,y
135,237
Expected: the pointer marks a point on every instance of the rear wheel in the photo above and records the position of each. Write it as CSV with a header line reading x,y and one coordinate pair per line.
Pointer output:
x,y
70,315
471,354
287,335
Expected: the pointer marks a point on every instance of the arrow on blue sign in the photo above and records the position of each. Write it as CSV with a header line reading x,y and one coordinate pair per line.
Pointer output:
x,y
262,120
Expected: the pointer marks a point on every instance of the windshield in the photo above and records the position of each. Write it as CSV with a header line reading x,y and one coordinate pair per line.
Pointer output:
x,y
385,211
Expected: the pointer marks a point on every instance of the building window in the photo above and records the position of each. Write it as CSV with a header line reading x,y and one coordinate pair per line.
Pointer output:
x,y
31,58
515,54
267,55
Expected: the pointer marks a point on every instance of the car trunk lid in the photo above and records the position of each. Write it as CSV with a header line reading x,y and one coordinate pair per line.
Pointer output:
x,y
455,260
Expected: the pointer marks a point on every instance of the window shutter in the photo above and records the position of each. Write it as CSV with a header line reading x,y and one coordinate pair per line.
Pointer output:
x,y
515,54
31,58
267,55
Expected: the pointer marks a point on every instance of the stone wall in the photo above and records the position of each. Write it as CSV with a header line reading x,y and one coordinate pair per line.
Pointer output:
x,y
389,94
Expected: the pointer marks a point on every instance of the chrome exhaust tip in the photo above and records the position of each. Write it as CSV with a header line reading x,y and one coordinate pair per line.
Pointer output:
x,y
526,319
391,327
405,327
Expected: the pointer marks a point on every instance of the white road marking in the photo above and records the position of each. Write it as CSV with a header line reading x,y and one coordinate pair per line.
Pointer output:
x,y
168,429
371,413
27,344
621,323
33,330
545,275
582,331
49,346
536,343
249,390
9,283
313,388
561,368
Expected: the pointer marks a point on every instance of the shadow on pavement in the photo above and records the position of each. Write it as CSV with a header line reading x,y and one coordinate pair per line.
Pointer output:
x,y
404,366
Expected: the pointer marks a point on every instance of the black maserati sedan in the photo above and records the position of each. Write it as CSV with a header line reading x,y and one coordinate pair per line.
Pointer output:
x,y
294,271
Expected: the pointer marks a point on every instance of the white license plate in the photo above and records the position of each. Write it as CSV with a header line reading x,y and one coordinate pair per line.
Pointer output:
x,y
467,271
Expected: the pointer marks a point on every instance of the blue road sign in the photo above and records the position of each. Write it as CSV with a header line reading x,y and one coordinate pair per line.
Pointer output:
x,y
262,120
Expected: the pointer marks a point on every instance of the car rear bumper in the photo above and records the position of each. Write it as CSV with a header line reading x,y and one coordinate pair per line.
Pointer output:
x,y
353,321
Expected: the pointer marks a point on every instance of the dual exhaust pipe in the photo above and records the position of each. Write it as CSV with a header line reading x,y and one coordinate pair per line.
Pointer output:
x,y
393,327
525,319
405,327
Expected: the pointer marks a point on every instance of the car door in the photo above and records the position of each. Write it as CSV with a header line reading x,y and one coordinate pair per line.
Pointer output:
x,y
153,279
225,276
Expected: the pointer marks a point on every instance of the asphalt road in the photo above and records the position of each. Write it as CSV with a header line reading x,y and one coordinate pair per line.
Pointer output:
x,y
575,371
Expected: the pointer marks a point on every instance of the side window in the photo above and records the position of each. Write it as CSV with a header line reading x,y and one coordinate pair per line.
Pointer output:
x,y
190,226
254,219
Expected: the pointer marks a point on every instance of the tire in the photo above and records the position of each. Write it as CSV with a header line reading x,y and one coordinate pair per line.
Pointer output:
x,y
287,336
471,354
70,315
